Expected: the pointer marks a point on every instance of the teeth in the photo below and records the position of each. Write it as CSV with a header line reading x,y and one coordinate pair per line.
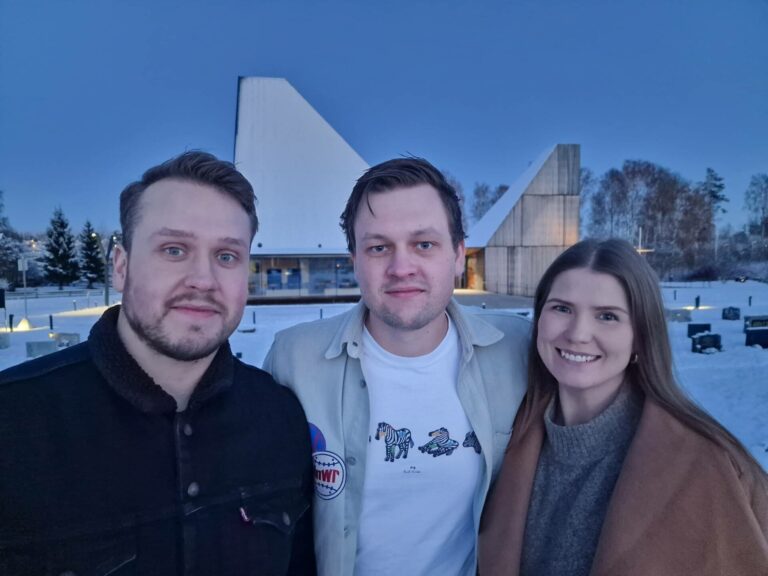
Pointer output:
x,y
577,357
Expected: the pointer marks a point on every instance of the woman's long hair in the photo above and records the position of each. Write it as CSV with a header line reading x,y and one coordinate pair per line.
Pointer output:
x,y
652,372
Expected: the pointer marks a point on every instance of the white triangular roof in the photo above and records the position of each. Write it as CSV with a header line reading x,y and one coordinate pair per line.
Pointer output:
x,y
301,169
483,230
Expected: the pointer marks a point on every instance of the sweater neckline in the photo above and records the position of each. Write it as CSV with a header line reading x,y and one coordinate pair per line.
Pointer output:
x,y
610,430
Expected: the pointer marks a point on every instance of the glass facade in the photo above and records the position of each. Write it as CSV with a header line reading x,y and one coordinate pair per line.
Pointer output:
x,y
302,276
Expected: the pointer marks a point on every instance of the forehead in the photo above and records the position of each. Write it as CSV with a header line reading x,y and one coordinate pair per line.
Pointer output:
x,y
582,285
403,209
185,205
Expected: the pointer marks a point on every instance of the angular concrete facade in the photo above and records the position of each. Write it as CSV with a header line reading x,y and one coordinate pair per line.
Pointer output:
x,y
528,227
301,169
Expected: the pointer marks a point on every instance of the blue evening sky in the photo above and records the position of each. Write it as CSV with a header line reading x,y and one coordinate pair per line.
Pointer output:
x,y
92,92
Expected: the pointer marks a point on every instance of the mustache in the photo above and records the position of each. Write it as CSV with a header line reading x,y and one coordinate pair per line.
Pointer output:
x,y
195,299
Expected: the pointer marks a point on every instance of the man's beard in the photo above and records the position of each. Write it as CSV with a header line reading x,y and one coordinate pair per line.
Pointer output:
x,y
184,349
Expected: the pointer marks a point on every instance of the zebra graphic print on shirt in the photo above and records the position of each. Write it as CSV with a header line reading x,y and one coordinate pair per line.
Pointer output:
x,y
471,441
394,437
439,444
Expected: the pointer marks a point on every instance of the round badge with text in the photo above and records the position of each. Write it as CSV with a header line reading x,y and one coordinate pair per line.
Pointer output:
x,y
330,474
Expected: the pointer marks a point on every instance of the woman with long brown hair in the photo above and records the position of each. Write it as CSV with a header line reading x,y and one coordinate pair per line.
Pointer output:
x,y
611,468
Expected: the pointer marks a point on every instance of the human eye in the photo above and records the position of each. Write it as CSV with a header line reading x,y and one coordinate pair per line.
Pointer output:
x,y
608,316
377,249
558,307
425,245
174,251
228,258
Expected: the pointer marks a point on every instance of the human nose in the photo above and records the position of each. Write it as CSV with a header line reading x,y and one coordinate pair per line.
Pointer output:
x,y
201,274
401,264
579,328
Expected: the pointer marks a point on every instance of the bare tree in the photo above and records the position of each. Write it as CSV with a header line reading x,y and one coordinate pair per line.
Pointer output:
x,y
456,185
587,188
756,201
484,197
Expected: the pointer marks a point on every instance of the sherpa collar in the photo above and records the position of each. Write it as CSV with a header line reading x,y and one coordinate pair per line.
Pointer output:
x,y
123,374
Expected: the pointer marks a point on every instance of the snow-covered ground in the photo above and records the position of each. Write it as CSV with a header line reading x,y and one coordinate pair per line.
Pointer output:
x,y
732,384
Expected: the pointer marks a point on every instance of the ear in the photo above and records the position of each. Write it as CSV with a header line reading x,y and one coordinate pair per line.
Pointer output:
x,y
119,267
461,253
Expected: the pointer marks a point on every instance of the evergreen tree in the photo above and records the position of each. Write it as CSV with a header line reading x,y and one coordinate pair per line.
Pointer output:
x,y
91,262
10,246
713,188
5,227
60,260
10,252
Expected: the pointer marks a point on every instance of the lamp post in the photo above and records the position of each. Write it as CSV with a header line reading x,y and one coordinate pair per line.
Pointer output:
x,y
110,245
107,251
24,324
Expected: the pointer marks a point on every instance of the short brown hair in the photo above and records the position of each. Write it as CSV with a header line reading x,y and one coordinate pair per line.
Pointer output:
x,y
193,166
402,173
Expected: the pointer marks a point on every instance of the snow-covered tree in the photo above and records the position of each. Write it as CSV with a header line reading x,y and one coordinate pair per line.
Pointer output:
x,y
60,260
91,261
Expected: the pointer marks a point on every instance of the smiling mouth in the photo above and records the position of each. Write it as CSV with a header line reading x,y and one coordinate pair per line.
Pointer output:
x,y
580,358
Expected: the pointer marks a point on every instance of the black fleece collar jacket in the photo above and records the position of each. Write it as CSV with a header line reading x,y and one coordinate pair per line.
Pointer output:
x,y
100,475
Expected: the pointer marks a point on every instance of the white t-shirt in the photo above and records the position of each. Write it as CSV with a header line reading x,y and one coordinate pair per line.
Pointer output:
x,y
420,479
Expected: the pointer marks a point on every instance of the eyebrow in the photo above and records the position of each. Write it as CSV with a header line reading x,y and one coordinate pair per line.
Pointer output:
x,y
608,308
176,233
415,233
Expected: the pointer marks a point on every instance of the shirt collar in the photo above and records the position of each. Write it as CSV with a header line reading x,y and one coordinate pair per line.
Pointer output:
x,y
124,375
473,331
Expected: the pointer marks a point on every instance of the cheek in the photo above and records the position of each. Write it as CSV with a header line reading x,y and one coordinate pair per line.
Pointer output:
x,y
547,329
365,271
235,286
624,344
543,342
546,352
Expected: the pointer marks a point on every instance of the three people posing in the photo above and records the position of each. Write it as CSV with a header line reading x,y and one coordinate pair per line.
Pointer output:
x,y
151,449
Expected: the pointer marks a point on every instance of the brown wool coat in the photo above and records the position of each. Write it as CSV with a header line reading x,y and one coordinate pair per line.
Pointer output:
x,y
680,507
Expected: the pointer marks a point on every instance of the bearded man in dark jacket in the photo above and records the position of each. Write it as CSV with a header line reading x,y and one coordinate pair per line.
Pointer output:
x,y
150,449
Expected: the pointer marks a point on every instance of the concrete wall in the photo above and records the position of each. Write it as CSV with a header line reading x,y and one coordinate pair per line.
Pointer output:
x,y
543,222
